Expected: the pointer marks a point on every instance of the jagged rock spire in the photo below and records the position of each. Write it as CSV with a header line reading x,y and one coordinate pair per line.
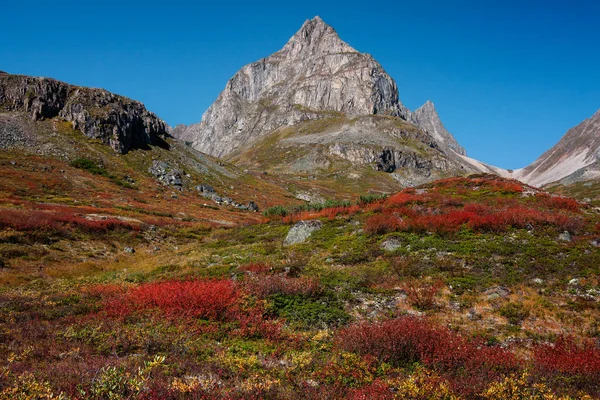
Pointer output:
x,y
428,118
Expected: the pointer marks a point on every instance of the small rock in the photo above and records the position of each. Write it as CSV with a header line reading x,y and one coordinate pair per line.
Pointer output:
x,y
129,250
537,281
391,245
574,281
204,188
300,232
252,206
565,236
497,292
595,242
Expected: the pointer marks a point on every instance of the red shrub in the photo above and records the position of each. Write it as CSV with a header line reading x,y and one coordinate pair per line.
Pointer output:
x,y
469,365
401,199
210,299
257,268
422,296
380,224
377,390
557,202
329,213
32,220
580,363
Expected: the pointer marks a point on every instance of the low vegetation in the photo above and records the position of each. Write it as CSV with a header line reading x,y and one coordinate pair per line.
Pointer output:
x,y
475,288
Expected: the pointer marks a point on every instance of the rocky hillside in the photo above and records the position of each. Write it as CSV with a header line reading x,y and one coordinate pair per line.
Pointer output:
x,y
573,159
115,120
426,117
320,108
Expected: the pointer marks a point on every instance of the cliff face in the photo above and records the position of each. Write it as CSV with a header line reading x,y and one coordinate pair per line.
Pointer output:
x,y
313,75
427,118
117,121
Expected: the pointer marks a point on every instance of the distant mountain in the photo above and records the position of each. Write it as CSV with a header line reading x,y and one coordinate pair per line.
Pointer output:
x,y
575,158
427,118
318,106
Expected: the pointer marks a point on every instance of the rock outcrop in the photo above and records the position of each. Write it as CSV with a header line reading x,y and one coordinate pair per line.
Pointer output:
x,y
427,118
315,75
117,121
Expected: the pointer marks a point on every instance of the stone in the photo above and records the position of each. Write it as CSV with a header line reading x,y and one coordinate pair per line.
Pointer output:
x,y
252,206
497,292
300,232
391,245
117,121
205,188
129,250
565,237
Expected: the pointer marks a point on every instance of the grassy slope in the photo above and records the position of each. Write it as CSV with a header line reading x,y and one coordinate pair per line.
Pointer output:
x,y
78,320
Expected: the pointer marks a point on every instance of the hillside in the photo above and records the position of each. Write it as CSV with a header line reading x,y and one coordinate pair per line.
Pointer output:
x,y
461,288
320,111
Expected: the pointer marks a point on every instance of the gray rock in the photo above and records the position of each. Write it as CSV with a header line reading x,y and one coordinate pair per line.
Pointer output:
x,y
204,188
391,245
129,250
497,292
427,118
300,232
574,282
565,236
117,121
252,206
164,173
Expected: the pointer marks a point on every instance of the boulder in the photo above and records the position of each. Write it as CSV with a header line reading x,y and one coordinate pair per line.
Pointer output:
x,y
300,232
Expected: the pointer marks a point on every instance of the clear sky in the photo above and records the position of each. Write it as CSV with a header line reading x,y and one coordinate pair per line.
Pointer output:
x,y
508,78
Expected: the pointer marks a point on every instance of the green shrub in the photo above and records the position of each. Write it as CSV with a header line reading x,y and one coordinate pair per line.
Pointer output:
x,y
514,312
89,165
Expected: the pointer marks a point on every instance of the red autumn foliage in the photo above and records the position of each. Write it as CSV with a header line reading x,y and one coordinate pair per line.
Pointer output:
x,y
421,295
34,220
557,202
469,365
257,268
265,286
329,213
211,299
377,390
579,362
381,223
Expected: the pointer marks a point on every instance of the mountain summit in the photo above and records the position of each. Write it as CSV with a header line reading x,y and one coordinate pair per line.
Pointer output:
x,y
314,72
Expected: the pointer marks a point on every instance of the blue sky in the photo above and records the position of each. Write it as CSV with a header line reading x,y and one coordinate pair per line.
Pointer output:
x,y
508,78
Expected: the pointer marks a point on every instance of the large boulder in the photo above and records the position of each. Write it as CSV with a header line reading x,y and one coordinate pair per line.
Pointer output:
x,y
300,232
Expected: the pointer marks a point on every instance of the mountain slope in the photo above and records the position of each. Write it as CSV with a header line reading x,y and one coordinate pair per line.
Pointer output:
x,y
314,72
575,156
319,111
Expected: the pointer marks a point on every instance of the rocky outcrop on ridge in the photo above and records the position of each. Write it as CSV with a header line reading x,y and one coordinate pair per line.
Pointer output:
x,y
117,121
427,118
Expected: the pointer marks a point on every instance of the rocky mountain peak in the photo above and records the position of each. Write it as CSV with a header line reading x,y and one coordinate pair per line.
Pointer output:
x,y
316,37
314,75
428,118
